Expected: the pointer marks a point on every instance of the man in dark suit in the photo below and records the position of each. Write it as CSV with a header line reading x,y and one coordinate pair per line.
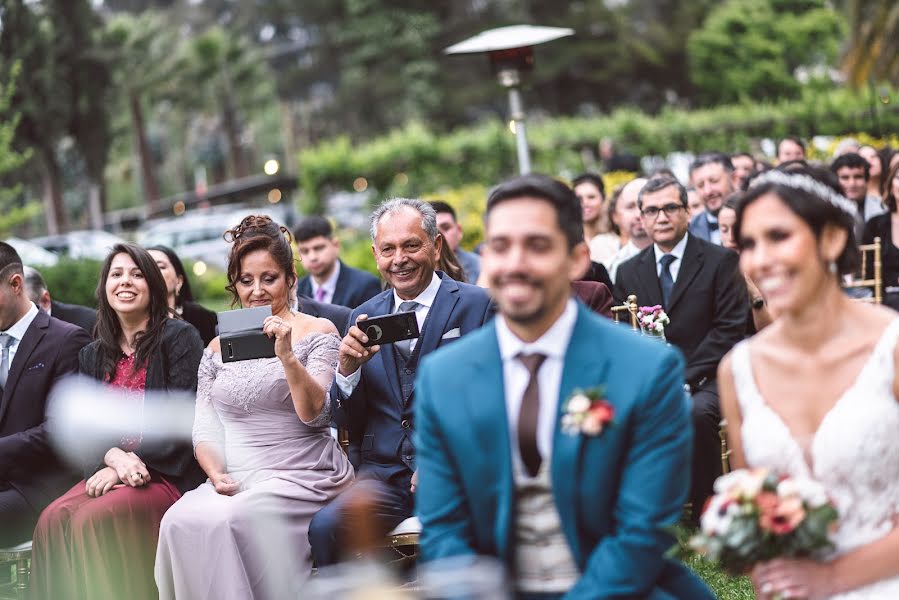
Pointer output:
x,y
36,351
82,316
329,280
712,174
700,286
337,314
372,396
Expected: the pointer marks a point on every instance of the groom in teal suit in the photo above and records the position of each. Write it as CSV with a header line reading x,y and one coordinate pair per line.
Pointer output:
x,y
551,438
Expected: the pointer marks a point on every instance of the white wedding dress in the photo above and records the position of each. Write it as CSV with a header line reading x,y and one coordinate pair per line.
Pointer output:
x,y
854,453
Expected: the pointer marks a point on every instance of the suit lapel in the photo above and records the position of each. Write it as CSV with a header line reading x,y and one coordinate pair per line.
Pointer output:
x,y
690,265
341,286
33,336
486,409
584,367
439,314
650,293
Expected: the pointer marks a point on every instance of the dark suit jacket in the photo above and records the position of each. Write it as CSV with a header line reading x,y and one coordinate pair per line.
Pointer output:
x,y
353,286
595,295
699,227
378,420
337,314
47,353
204,320
708,307
173,368
82,316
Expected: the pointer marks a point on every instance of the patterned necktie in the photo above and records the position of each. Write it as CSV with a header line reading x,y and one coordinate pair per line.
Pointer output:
x,y
528,416
6,341
405,346
320,294
665,278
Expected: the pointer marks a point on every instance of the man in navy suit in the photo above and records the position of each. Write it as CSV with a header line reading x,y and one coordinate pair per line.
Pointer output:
x,y
329,280
36,351
712,174
583,511
372,396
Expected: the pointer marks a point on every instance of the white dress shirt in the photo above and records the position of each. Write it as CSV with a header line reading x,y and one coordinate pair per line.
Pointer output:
x,y
17,331
425,301
329,285
677,252
516,377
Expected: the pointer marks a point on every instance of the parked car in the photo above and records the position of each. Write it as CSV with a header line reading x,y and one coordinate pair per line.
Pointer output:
x,y
94,244
32,254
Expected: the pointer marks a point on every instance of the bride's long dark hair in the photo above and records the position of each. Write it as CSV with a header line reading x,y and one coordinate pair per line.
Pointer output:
x,y
108,330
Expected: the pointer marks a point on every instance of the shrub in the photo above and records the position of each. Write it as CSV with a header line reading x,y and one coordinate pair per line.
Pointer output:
x,y
73,281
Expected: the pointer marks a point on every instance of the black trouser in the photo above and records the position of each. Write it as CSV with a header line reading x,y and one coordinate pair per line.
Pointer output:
x,y
17,518
706,445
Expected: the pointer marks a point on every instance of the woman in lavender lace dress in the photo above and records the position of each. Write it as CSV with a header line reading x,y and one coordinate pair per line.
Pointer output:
x,y
261,434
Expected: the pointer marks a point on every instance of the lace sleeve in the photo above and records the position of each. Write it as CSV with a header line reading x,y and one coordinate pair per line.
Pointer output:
x,y
207,427
321,363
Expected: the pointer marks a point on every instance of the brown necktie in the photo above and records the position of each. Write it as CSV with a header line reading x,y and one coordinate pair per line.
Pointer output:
x,y
527,418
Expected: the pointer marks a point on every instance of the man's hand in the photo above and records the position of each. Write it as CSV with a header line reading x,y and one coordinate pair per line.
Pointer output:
x,y
225,484
352,353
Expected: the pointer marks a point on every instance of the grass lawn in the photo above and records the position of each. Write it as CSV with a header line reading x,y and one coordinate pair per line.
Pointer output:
x,y
723,585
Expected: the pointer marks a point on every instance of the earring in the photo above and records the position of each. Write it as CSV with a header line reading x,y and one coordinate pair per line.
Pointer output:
x,y
832,267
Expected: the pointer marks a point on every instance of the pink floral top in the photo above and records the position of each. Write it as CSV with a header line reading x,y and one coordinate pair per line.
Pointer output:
x,y
132,382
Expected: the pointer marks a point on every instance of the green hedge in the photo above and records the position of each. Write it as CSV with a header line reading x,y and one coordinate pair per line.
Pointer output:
x,y
415,160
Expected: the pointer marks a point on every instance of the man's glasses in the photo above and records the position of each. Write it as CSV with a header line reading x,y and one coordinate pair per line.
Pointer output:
x,y
651,212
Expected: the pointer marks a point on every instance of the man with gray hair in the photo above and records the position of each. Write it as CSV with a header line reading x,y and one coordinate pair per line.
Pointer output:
x,y
37,291
372,397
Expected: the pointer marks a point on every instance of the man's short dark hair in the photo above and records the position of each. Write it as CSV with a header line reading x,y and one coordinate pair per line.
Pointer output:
x,y
738,154
10,261
559,195
442,207
660,182
851,160
593,178
794,139
313,227
709,158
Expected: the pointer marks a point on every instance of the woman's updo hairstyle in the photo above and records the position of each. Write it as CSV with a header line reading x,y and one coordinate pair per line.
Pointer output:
x,y
814,195
258,232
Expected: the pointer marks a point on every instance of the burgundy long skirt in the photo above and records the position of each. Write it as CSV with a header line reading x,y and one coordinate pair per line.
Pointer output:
x,y
100,548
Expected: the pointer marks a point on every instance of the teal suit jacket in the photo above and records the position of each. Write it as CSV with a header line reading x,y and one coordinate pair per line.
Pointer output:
x,y
616,493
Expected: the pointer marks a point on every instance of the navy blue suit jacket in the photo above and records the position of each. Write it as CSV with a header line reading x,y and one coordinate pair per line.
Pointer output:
x,y
378,420
353,286
617,493
699,227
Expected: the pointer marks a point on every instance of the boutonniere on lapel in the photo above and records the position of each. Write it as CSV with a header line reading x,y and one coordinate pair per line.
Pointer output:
x,y
587,412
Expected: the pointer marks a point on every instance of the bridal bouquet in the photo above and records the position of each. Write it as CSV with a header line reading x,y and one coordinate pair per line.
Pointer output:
x,y
653,320
757,515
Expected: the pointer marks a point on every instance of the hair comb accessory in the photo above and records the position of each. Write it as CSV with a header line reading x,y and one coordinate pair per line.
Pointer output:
x,y
798,181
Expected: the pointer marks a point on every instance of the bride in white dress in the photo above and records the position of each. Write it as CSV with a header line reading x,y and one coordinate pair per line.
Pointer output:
x,y
815,393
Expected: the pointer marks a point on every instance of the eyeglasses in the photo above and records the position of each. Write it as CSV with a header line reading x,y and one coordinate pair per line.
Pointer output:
x,y
651,212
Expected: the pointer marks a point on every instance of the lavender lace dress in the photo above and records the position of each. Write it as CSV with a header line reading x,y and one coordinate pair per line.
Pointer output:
x,y
254,545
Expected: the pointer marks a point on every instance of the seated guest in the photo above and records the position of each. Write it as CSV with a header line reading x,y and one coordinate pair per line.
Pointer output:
x,y
452,233
602,241
727,218
853,173
36,351
261,435
373,395
712,174
99,539
179,295
790,148
329,279
744,166
883,226
82,316
700,287
627,221
876,171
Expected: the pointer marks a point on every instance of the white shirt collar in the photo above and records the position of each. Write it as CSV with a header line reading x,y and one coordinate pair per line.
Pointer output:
x,y
18,330
330,284
426,298
552,344
710,217
677,252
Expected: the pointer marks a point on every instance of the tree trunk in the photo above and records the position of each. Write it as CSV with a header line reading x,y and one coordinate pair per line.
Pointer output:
x,y
232,131
145,159
95,203
53,205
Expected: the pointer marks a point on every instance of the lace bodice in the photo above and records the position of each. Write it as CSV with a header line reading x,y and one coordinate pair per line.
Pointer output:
x,y
232,392
853,453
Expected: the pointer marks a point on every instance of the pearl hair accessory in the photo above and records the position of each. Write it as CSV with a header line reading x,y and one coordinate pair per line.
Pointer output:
x,y
807,184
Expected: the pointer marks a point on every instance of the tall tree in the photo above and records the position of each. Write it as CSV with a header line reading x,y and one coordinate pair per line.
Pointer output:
x,y
872,51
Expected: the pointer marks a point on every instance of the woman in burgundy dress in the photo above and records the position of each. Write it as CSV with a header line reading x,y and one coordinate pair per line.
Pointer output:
x,y
99,539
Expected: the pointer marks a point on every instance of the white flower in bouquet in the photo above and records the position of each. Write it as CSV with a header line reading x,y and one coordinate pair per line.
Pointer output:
x,y
719,515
